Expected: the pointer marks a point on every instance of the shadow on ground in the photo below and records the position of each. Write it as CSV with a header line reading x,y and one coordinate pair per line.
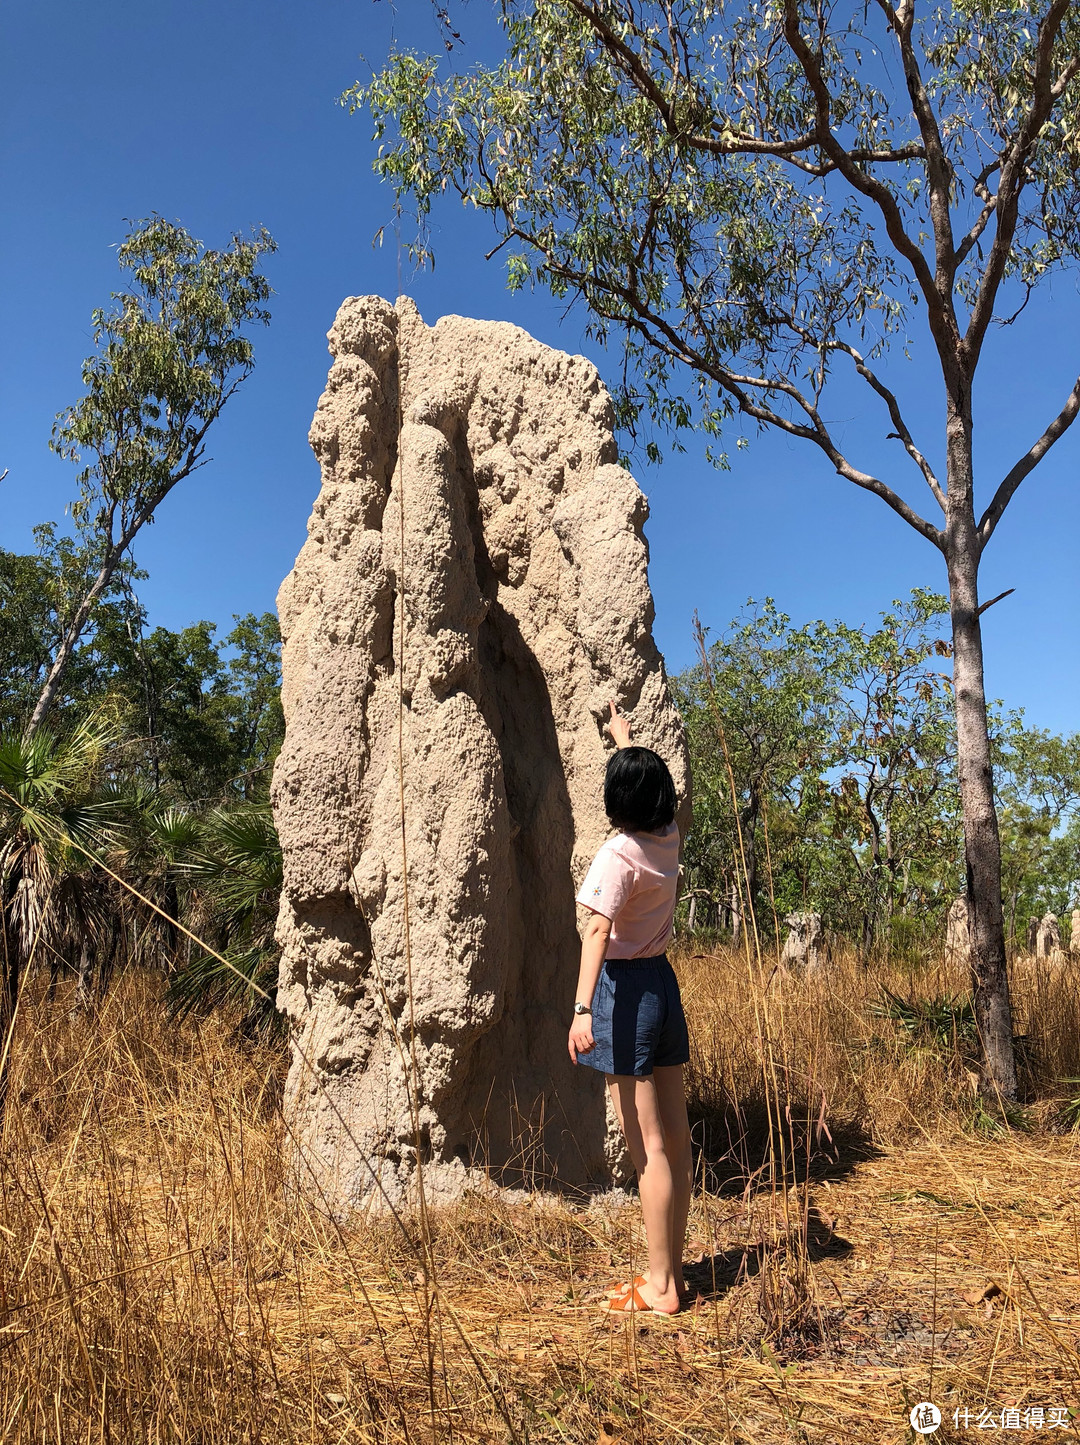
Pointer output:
x,y
743,1147
712,1276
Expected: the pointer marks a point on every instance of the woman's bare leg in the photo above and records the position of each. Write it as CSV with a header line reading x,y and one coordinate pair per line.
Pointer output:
x,y
671,1101
637,1106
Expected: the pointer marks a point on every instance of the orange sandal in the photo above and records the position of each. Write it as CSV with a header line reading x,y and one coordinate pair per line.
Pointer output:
x,y
632,1302
617,1290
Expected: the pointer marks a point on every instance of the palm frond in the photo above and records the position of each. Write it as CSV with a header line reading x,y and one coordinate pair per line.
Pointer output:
x,y
54,822
52,764
174,830
238,858
247,980
231,871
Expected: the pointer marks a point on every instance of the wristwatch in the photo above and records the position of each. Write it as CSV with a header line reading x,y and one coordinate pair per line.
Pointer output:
x,y
582,1008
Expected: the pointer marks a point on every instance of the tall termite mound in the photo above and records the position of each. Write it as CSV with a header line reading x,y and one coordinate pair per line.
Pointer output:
x,y
472,592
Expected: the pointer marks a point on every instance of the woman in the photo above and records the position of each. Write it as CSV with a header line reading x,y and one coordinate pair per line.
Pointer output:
x,y
628,1016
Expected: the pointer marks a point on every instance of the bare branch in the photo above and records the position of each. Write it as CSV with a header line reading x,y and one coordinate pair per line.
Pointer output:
x,y
983,218
496,249
999,598
1008,320
826,168
902,432
1027,463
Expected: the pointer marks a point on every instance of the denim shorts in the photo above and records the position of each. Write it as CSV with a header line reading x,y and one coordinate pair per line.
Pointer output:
x,y
638,1022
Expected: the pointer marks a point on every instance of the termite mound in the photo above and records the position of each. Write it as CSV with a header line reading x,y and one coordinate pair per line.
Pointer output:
x,y
472,592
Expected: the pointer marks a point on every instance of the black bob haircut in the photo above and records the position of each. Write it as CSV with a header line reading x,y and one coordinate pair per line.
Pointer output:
x,y
639,795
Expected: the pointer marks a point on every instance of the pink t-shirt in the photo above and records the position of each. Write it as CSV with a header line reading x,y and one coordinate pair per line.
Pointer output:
x,y
633,880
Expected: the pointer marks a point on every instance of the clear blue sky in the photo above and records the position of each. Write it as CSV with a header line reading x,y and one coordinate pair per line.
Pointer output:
x,y
223,116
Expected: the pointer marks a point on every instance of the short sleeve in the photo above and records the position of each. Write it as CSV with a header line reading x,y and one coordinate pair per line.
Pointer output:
x,y
608,884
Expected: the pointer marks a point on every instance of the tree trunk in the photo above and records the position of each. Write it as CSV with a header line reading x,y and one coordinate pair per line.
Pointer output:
x,y
83,993
9,998
171,901
982,844
750,846
736,914
68,643
114,550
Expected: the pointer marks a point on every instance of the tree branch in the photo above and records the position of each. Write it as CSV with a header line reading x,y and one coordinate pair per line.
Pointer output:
x,y
1027,463
942,322
731,143
1012,180
983,219
902,432
1008,320
898,422
999,598
663,336
938,170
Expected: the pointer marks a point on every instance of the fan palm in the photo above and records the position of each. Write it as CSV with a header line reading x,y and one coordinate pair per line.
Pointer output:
x,y
233,877
161,835
53,824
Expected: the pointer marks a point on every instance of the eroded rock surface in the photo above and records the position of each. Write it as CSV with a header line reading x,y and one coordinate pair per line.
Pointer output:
x,y
958,931
472,592
803,945
1048,936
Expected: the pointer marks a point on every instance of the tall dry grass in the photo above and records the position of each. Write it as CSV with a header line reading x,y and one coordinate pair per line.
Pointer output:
x,y
871,1080
161,1281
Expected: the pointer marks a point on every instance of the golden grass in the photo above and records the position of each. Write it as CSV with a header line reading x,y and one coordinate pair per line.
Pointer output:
x,y
159,1281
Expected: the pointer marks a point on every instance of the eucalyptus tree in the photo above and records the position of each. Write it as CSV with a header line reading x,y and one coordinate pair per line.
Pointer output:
x,y
1037,775
758,710
170,352
894,763
755,196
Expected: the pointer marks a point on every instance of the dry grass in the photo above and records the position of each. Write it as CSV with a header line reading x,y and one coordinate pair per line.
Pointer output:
x,y
160,1282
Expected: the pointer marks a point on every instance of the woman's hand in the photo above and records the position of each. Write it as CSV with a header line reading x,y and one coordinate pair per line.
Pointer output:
x,y
618,727
581,1039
